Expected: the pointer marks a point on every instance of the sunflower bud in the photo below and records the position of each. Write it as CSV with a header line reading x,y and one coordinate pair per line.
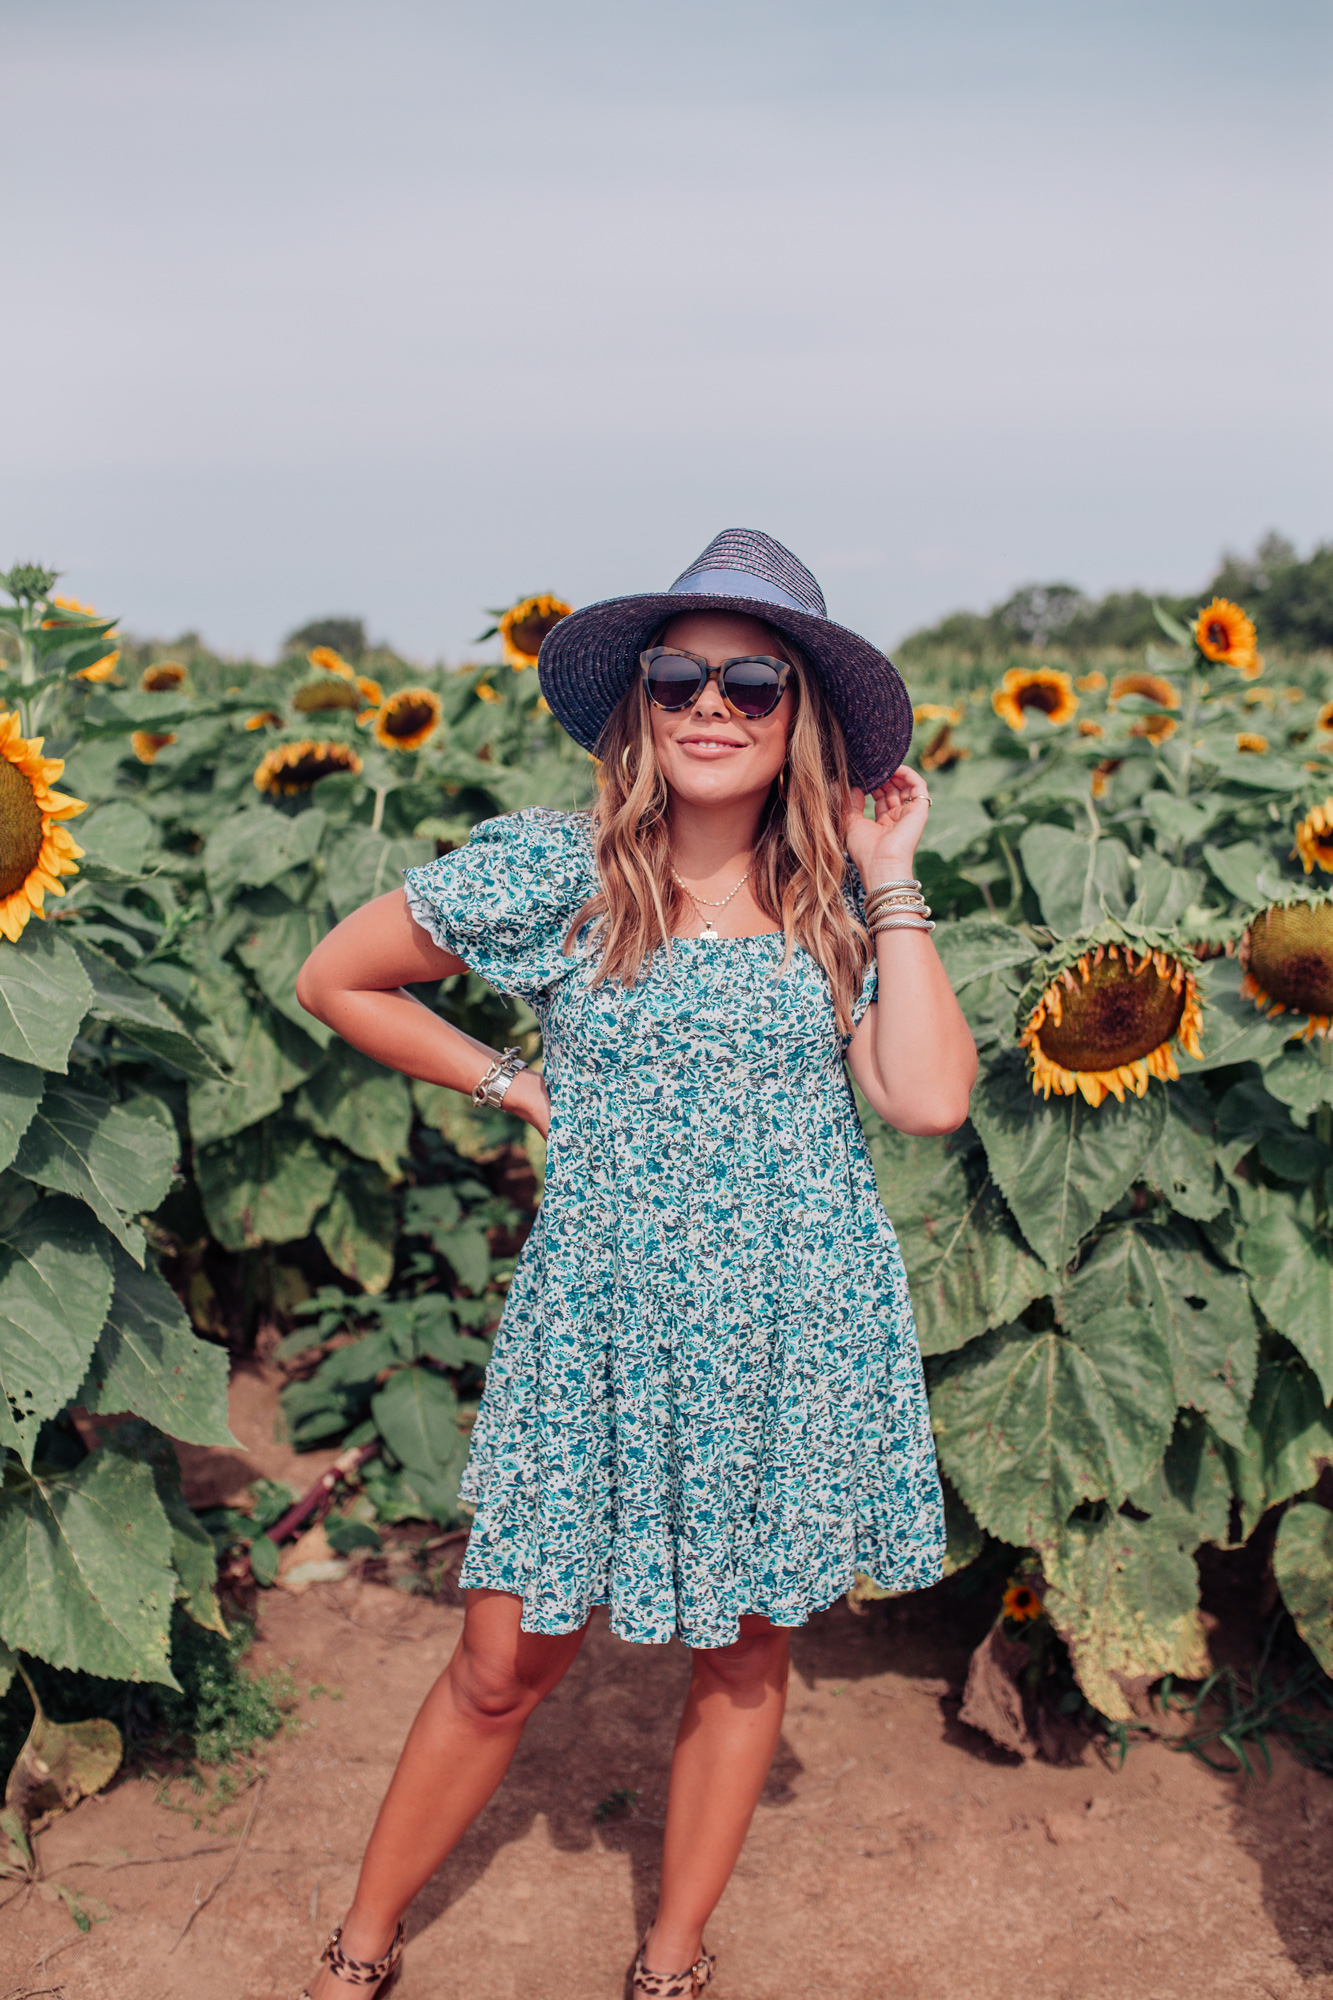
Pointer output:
x,y
1287,953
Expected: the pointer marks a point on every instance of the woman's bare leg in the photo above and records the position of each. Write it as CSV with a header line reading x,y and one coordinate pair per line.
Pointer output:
x,y
724,1748
457,1751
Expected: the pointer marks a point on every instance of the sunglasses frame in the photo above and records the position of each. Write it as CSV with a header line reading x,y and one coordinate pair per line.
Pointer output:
x,y
649,658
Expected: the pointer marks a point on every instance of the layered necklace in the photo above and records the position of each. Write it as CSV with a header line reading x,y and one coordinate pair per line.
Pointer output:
x,y
702,903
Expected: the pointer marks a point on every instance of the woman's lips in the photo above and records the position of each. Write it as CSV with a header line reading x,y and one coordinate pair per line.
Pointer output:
x,y
709,746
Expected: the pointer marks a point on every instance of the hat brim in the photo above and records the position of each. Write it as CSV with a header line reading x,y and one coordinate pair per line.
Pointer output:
x,y
589,660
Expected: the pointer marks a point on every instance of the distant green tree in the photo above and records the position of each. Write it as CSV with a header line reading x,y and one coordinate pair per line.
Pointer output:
x,y
346,636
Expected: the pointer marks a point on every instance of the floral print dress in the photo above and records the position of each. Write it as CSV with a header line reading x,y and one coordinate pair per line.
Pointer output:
x,y
706,1395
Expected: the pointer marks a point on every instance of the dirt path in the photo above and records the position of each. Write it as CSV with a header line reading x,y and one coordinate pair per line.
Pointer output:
x,y
894,1857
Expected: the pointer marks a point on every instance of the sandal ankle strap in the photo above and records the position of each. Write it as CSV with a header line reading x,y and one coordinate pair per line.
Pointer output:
x,y
363,1971
686,1985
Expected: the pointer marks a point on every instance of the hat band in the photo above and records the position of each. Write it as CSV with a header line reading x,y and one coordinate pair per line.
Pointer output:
x,y
735,583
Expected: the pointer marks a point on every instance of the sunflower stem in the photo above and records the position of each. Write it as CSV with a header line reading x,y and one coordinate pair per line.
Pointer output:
x,y
377,817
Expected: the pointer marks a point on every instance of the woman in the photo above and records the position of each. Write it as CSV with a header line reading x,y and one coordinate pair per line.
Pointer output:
x,y
705,1408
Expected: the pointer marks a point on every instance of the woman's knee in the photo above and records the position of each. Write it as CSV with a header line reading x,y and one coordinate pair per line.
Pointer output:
x,y
498,1680
757,1659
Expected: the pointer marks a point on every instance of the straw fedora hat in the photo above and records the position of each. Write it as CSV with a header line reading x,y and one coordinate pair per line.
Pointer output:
x,y
590,658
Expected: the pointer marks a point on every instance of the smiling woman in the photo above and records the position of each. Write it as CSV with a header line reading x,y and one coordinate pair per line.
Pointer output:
x,y
705,1408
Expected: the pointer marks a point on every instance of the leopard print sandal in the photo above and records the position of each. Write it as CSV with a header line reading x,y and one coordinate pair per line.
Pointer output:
x,y
687,1985
365,1971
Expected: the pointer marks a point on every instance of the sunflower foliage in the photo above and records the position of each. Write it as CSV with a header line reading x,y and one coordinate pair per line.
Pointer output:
x,y
278,801
95,1546
1122,1266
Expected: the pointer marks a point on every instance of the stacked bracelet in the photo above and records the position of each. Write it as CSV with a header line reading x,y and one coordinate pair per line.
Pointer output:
x,y
897,906
492,1086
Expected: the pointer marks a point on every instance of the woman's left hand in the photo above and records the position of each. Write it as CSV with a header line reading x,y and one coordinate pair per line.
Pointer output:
x,y
886,845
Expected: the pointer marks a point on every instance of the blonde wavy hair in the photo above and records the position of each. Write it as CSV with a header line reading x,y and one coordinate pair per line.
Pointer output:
x,y
799,865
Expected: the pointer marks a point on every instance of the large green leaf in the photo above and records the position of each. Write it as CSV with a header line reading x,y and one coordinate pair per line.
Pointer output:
x,y
254,847
21,1089
1288,1439
416,1413
266,1185
957,822
1233,1030
54,1296
1183,1165
1162,894
357,1228
1303,1565
1240,868
968,1266
978,946
1124,1595
85,1570
116,1157
44,994
1196,1475
366,1107
1289,1258
120,998
275,949
149,1360
1030,1424
192,1554
369,864
271,1060
1078,881
1203,1314
118,836
1300,1080
1059,1164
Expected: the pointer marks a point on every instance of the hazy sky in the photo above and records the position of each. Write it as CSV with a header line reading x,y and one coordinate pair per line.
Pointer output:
x,y
403,307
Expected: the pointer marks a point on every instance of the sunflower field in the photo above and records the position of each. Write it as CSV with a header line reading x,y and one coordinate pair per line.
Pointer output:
x,y
1122,1266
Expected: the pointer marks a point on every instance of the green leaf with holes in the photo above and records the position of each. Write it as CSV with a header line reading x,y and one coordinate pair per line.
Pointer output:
x,y
149,1360
54,1293
44,994
1303,1565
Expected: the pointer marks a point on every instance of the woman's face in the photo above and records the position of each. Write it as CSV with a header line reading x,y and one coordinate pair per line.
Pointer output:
x,y
708,754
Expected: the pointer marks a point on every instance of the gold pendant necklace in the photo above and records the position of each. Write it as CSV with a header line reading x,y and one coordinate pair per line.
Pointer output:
x,y
701,903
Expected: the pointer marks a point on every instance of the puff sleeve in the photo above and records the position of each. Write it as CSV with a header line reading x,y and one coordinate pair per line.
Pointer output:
x,y
503,903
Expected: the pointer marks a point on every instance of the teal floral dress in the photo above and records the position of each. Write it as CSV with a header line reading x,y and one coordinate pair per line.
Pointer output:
x,y
706,1395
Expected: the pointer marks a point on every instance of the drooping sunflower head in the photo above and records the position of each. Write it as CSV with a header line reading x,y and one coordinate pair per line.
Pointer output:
x,y
942,753
1102,774
1044,690
328,692
267,718
35,849
332,662
1102,1016
1314,838
936,711
163,678
148,743
1152,687
523,627
1090,683
1250,741
1287,953
295,767
1020,1603
1155,728
1224,634
408,719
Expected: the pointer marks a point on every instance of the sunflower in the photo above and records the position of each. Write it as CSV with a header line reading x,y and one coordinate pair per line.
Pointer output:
x,y
267,718
407,719
1314,838
1045,689
146,743
100,670
35,850
485,692
1087,728
523,627
371,693
1090,683
295,767
1156,728
164,678
330,661
1287,953
1105,1021
1324,719
1151,686
1020,1603
1102,775
328,692
1222,632
936,711
942,753
1246,739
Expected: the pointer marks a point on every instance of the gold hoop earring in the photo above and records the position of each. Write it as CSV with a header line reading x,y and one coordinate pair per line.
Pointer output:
x,y
624,763
782,784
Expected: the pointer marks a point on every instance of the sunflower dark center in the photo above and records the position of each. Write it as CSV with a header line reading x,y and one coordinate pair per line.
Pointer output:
x,y
1291,957
20,828
527,635
1040,695
327,692
313,765
409,717
1219,636
1116,1018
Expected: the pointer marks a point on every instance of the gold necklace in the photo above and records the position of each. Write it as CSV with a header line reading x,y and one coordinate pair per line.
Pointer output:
x,y
701,903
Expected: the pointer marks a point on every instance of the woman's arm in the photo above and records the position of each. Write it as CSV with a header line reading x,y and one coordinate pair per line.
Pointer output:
x,y
913,1054
353,981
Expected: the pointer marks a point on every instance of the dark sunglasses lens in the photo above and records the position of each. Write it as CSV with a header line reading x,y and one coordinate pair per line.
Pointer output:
x,y
674,681
752,687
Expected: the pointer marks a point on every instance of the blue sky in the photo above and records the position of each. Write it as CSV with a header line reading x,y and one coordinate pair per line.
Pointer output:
x,y
404,307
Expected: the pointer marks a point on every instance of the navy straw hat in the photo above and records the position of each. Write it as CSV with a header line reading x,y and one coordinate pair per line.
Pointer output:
x,y
589,659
